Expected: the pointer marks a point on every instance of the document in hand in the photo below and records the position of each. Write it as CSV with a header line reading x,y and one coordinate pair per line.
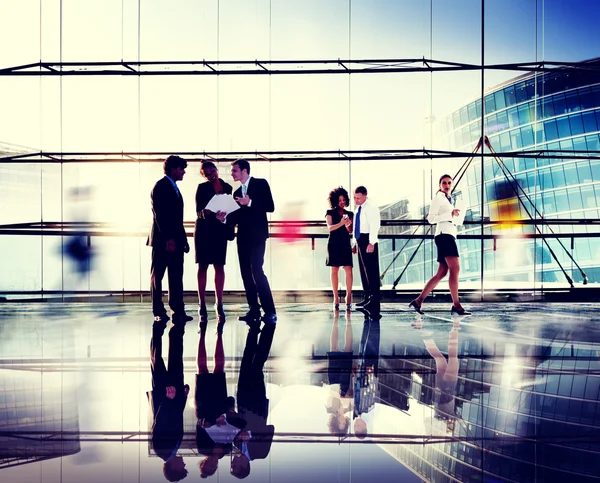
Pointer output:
x,y
462,206
222,202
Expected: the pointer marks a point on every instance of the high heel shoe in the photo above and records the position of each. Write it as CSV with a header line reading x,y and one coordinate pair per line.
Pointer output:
x,y
220,313
460,311
417,306
348,307
336,307
202,313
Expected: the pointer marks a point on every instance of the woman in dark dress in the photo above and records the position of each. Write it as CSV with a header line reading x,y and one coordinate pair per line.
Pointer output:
x,y
339,250
210,239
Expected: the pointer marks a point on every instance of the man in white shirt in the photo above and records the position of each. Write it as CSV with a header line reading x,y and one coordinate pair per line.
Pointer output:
x,y
367,222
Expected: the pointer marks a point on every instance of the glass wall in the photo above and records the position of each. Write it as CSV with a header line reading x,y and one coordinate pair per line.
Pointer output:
x,y
396,94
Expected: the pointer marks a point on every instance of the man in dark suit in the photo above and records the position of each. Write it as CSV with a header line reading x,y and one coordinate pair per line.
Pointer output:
x,y
255,200
254,442
167,399
168,241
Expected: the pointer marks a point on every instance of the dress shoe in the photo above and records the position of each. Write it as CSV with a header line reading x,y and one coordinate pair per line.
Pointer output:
x,y
460,311
417,306
182,318
250,316
220,313
202,327
220,326
270,318
364,302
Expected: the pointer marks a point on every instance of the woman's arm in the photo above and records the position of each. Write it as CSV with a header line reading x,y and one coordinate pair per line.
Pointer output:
x,y
330,224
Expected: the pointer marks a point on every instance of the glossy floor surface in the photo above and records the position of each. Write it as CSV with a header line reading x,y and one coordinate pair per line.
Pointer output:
x,y
98,393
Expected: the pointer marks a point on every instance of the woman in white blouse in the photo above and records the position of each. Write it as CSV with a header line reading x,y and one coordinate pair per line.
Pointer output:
x,y
442,213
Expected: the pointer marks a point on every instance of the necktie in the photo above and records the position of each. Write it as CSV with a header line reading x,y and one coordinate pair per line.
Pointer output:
x,y
244,190
357,223
177,190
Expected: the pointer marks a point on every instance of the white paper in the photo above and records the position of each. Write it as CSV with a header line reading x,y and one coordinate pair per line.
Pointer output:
x,y
462,207
222,202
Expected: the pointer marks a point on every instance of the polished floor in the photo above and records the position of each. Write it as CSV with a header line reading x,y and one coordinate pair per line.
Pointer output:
x,y
508,394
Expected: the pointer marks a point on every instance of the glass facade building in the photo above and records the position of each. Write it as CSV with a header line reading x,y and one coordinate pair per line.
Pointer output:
x,y
556,114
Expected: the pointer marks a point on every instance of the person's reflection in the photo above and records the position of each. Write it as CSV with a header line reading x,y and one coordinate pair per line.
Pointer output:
x,y
339,372
255,441
446,377
366,380
217,423
167,399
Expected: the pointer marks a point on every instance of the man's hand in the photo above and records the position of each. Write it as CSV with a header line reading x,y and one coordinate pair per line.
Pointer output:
x,y
221,421
171,391
186,248
243,201
370,248
354,249
221,216
171,246
243,435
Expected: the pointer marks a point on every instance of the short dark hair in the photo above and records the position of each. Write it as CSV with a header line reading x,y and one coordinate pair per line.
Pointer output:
x,y
174,475
242,164
334,196
444,176
206,164
173,162
361,190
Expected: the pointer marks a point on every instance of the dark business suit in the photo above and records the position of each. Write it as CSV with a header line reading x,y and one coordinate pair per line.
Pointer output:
x,y
167,414
167,224
253,405
252,234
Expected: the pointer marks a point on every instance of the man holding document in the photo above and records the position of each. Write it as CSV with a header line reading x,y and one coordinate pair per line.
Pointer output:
x,y
255,201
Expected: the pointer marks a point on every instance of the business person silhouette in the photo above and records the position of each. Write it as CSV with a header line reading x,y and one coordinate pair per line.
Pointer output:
x,y
168,399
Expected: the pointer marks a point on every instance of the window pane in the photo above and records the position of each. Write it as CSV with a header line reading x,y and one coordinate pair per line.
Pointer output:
x,y
560,106
550,130
499,97
576,124
509,96
527,136
558,176
564,130
589,122
571,174
575,199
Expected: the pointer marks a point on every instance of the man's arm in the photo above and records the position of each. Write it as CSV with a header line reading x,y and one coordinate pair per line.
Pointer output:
x,y
374,224
262,199
162,210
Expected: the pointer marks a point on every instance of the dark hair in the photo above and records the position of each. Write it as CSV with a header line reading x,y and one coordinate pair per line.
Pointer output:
x,y
173,162
172,474
242,164
334,196
206,164
441,178
243,473
361,190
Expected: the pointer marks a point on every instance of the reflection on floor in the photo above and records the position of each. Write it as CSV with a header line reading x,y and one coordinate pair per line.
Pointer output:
x,y
98,393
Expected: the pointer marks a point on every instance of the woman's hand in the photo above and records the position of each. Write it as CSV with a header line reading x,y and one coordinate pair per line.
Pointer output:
x,y
455,212
220,215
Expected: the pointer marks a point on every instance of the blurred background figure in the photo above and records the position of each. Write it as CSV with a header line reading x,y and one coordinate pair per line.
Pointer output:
x,y
339,248
210,239
78,248
503,203
168,399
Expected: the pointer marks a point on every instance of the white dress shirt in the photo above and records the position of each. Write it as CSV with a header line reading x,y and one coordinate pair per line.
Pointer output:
x,y
440,214
370,220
